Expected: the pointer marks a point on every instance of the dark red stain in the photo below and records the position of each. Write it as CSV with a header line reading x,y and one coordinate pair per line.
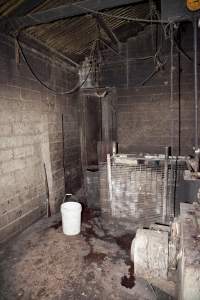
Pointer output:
x,y
95,257
129,281
88,214
124,241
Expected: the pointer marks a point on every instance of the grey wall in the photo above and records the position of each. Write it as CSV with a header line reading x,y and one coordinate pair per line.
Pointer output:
x,y
92,128
145,114
31,135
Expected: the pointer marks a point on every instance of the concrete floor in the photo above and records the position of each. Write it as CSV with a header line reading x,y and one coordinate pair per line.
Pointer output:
x,y
43,263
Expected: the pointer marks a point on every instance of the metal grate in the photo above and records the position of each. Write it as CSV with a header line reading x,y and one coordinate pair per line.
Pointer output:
x,y
137,192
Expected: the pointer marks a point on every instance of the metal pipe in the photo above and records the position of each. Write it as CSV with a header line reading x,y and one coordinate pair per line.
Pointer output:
x,y
109,174
164,214
172,118
195,25
172,87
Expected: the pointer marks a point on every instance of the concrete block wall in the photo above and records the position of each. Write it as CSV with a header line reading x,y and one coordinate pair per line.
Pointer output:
x,y
145,114
31,135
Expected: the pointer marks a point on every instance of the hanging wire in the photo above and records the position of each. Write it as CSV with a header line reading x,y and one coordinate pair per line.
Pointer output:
x,y
75,88
157,61
119,17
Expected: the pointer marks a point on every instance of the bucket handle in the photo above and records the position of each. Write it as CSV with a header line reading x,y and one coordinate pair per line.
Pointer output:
x,y
66,195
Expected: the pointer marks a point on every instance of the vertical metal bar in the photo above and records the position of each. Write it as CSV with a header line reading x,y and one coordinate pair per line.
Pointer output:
x,y
164,215
172,87
195,82
109,174
179,94
172,115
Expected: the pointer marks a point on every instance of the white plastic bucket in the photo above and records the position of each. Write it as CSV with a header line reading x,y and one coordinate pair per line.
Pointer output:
x,y
71,217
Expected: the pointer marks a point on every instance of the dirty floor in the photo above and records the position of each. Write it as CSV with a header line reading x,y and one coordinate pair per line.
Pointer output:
x,y
43,263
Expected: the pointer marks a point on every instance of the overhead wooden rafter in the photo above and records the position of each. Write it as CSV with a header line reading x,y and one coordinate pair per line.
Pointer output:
x,y
64,11
107,29
24,8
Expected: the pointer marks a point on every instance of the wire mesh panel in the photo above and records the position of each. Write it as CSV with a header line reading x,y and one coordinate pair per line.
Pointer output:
x,y
137,192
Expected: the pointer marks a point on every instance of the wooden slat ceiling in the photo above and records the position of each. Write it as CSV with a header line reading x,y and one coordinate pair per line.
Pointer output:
x,y
71,37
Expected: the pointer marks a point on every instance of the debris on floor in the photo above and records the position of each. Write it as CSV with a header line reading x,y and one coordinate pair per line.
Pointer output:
x,y
43,263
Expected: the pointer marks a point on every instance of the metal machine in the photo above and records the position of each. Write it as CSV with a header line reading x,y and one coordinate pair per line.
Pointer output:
x,y
169,256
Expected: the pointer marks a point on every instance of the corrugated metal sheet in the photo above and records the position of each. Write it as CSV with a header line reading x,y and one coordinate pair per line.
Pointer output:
x,y
73,36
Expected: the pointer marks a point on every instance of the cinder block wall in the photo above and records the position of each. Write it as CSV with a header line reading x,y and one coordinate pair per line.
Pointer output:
x,y
31,135
145,114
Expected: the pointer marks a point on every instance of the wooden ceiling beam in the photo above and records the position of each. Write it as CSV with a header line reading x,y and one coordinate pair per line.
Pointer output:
x,y
107,29
62,12
24,8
